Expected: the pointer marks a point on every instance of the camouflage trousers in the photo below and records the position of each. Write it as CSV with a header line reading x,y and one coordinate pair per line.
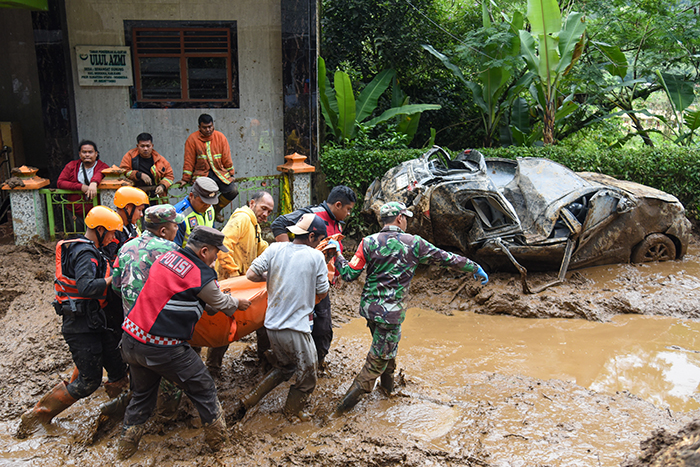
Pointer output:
x,y
381,357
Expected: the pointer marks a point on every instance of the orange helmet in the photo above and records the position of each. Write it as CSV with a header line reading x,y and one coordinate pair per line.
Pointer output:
x,y
105,217
130,195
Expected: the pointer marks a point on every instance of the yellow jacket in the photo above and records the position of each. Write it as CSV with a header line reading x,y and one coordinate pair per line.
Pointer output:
x,y
244,241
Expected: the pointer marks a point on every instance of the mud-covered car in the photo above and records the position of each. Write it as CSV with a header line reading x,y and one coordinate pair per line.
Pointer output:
x,y
532,212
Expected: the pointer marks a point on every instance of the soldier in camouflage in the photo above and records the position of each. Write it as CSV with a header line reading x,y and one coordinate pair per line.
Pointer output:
x,y
138,255
129,276
391,257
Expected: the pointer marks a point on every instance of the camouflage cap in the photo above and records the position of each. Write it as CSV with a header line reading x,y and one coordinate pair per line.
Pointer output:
x,y
162,213
394,208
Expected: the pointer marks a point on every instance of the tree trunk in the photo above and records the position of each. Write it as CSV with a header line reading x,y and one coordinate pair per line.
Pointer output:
x,y
640,129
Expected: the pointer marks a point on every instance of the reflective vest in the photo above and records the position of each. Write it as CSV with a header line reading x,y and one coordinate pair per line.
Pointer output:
x,y
66,288
193,219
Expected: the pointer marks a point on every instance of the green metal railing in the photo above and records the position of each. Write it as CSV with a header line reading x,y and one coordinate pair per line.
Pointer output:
x,y
70,214
67,217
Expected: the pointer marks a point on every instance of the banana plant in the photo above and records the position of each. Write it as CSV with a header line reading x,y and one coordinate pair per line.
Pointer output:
x,y
551,48
493,90
344,114
681,95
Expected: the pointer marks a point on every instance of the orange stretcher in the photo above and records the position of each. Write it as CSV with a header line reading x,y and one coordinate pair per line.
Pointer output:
x,y
219,330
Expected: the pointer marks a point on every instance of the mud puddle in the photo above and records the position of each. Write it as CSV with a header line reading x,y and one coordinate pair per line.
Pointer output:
x,y
477,386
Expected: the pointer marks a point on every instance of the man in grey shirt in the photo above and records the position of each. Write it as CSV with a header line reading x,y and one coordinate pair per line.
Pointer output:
x,y
296,276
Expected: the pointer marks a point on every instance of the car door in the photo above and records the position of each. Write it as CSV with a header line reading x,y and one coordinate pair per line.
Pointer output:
x,y
604,207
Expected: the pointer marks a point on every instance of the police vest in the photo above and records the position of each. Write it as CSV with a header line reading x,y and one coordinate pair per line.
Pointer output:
x,y
66,288
167,309
193,219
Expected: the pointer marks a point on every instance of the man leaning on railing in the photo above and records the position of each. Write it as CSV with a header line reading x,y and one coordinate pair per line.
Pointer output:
x,y
83,175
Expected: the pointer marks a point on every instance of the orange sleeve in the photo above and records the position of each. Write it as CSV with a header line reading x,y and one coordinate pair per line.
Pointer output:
x,y
190,158
226,160
126,165
168,176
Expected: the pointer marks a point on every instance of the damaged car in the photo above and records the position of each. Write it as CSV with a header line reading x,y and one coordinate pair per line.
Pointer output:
x,y
532,213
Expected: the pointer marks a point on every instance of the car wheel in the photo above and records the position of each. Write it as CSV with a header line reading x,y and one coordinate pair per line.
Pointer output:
x,y
655,247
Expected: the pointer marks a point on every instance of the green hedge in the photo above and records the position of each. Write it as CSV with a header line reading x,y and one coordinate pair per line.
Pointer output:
x,y
357,169
674,170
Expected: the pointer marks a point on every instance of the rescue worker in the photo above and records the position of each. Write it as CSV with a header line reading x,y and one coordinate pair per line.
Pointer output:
x,y
130,202
296,275
83,276
197,208
391,257
146,167
180,285
244,242
207,154
138,254
130,273
337,207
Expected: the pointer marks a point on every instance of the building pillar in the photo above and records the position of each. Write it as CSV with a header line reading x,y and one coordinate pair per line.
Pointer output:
x,y
299,173
112,181
28,206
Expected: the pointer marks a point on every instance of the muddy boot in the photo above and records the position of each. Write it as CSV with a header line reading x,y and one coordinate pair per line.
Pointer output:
x,y
116,408
271,380
223,202
53,403
117,387
294,407
129,440
215,357
215,433
170,397
386,383
351,398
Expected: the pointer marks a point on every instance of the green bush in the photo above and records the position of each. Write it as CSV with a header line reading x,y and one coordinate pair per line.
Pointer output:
x,y
674,170
357,168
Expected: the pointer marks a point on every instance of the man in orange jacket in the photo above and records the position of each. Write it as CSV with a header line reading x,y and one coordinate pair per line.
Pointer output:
x,y
146,167
207,154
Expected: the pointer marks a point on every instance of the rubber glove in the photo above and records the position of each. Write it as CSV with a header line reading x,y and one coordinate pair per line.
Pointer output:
x,y
481,273
334,244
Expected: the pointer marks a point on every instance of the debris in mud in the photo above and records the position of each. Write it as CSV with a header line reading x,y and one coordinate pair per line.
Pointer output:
x,y
672,450
492,419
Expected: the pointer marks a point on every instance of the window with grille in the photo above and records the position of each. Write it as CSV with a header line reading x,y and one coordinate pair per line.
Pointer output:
x,y
183,64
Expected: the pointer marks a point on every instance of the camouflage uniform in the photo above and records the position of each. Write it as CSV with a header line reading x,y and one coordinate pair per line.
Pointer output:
x,y
391,257
131,268
131,271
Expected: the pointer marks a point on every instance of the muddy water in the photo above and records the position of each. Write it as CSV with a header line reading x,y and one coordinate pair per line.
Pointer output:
x,y
502,387
656,358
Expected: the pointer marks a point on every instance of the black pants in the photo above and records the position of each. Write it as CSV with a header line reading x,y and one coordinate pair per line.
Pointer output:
x,y
91,352
179,364
228,190
323,328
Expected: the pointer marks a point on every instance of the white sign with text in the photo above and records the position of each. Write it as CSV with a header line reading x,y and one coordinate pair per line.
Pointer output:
x,y
104,65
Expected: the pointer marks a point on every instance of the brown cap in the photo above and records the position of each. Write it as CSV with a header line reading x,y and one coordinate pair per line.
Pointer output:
x,y
208,236
206,189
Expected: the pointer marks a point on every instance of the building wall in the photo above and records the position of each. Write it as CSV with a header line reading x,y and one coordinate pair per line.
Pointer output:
x,y
254,130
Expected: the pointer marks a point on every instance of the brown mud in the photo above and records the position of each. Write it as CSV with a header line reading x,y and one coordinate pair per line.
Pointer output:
x,y
442,413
